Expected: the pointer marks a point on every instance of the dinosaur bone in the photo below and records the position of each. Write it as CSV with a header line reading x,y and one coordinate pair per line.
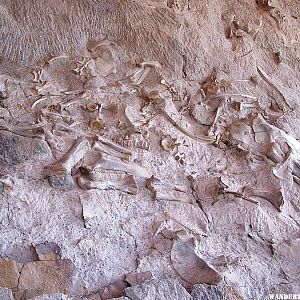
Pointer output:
x,y
126,184
114,164
59,174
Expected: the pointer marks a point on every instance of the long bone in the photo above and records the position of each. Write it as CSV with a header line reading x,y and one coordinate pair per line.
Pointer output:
x,y
126,184
59,174
102,148
169,192
113,164
34,131
170,112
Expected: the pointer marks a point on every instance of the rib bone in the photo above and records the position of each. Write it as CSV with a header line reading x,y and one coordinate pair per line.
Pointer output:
x,y
169,110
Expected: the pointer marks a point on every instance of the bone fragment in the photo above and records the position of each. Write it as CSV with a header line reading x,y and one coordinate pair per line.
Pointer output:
x,y
126,184
117,165
59,174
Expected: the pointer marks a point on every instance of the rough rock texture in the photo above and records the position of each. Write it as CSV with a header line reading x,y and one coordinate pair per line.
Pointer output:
x,y
184,86
6,294
167,289
208,292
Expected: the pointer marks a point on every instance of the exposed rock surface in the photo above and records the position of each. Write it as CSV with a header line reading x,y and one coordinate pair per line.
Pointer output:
x,y
123,123
167,289
6,294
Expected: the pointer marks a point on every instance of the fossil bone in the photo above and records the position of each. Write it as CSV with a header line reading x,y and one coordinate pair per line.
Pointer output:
x,y
114,164
126,184
7,180
169,144
103,57
166,191
104,148
264,4
33,131
145,67
208,187
59,174
170,112
264,76
188,264
136,143
275,197
113,145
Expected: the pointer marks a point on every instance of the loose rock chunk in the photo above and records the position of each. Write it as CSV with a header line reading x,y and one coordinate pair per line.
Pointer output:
x,y
188,264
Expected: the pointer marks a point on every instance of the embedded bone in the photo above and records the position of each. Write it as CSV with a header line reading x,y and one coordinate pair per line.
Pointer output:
x,y
126,184
265,77
169,192
208,187
135,118
170,112
135,143
169,144
145,67
92,106
102,148
296,173
33,131
113,145
59,174
188,264
7,180
117,165
84,95
274,197
96,124
103,57
81,66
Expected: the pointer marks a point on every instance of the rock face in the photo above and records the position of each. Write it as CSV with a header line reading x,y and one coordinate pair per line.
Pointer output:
x,y
149,118
9,274
208,292
40,277
6,294
167,289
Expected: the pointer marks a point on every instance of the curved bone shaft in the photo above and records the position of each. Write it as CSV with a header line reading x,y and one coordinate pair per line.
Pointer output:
x,y
114,146
171,113
75,153
275,198
110,151
126,184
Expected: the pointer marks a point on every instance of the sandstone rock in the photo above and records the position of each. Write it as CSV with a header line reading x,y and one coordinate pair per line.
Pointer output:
x,y
46,277
167,289
6,294
9,274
